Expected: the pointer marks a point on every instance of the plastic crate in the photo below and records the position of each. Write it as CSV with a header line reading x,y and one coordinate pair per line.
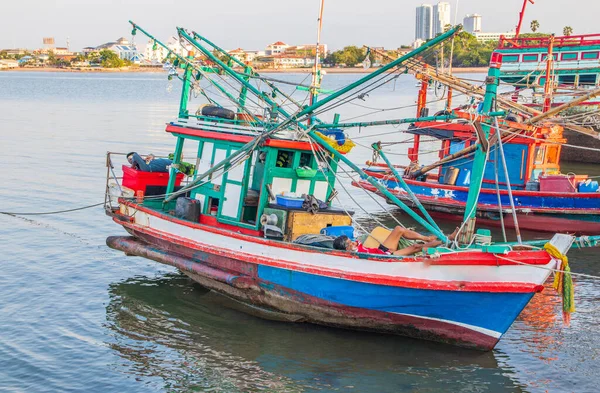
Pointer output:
x,y
292,202
556,183
138,180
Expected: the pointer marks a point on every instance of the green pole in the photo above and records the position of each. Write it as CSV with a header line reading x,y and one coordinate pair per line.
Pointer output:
x,y
333,96
172,170
193,67
480,156
413,197
185,92
445,118
248,71
433,229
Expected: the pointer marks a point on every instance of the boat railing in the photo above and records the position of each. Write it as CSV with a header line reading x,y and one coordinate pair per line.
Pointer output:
x,y
535,42
114,181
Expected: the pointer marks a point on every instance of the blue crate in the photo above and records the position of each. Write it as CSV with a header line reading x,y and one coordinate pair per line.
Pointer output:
x,y
287,201
335,231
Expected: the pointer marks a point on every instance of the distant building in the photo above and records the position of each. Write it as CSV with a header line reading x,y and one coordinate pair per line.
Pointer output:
x,y
239,54
124,49
286,61
13,52
156,54
276,48
61,51
417,43
486,37
472,23
307,50
8,63
440,17
251,55
88,49
424,30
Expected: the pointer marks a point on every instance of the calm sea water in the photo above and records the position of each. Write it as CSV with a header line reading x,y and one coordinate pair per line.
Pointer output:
x,y
77,316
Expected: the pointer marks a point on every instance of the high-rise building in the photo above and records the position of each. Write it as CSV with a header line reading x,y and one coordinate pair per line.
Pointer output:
x,y
441,17
423,29
472,23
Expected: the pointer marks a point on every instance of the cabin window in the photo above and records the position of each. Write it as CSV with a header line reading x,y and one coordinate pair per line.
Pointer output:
x,y
590,55
306,159
542,81
510,58
538,157
566,79
569,56
551,154
285,159
545,56
530,57
587,79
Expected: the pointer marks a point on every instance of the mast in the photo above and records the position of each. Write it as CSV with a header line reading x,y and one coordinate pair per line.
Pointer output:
x,y
521,16
316,77
549,82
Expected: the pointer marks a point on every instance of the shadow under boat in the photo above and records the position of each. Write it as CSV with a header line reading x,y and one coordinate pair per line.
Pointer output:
x,y
171,327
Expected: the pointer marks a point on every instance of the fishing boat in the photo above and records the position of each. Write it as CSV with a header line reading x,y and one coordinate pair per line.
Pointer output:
x,y
522,175
234,227
549,70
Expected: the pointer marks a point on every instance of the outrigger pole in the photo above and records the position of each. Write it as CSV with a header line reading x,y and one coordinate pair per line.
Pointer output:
x,y
482,146
312,133
189,65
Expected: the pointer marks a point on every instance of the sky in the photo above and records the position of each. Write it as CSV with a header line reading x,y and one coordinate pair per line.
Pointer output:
x,y
253,24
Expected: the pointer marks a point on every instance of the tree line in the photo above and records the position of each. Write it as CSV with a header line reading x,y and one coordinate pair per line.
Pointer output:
x,y
467,51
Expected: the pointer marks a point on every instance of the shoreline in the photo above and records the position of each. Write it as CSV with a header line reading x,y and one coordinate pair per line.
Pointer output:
x,y
332,70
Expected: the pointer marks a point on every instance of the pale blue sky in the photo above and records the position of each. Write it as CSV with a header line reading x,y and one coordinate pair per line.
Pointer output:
x,y
252,24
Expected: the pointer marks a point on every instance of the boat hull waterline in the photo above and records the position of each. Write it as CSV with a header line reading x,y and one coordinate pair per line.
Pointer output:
x,y
468,300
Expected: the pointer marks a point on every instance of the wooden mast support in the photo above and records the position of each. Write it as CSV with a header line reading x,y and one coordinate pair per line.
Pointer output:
x,y
521,16
413,152
549,83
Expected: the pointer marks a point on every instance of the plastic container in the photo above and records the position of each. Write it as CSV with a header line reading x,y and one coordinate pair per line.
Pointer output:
x,y
588,186
532,185
115,192
306,172
288,201
556,183
451,175
464,178
335,231
138,180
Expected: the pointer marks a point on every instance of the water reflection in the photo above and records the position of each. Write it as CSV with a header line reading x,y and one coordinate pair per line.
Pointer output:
x,y
191,338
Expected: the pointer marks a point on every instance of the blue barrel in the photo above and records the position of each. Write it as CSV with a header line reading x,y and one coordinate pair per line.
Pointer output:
x,y
588,186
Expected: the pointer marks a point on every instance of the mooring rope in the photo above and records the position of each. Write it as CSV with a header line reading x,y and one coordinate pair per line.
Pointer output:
x,y
52,212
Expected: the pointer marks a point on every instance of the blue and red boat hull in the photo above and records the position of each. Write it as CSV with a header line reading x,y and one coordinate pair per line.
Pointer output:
x,y
539,211
467,313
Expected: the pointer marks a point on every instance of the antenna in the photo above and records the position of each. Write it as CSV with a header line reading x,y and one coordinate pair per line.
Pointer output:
x,y
68,45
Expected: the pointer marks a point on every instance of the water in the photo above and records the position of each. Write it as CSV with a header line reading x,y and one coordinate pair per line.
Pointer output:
x,y
77,316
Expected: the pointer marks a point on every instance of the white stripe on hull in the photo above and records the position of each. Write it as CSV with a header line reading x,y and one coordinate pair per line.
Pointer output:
x,y
410,270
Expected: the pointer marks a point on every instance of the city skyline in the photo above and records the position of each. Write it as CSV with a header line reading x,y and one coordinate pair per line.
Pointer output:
x,y
240,24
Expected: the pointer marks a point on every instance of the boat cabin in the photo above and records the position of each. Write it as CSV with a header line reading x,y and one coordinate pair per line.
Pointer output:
x,y
269,182
526,157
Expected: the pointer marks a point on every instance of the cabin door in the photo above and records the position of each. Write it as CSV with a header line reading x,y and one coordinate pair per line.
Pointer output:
x,y
234,188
